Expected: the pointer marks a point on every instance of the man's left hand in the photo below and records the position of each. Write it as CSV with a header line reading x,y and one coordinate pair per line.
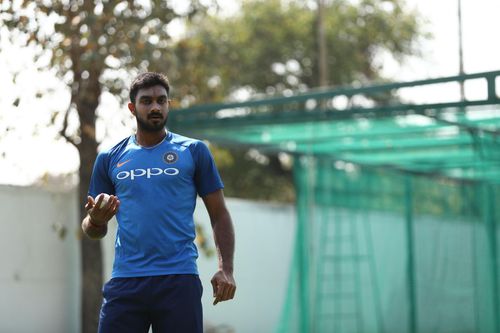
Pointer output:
x,y
224,286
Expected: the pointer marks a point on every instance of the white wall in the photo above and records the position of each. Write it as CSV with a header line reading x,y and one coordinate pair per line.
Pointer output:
x,y
39,281
264,235
39,275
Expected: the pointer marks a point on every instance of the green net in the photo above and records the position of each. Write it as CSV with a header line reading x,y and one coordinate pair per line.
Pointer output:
x,y
386,251
396,205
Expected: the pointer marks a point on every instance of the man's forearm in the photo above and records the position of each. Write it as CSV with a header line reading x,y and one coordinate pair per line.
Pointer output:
x,y
224,242
93,229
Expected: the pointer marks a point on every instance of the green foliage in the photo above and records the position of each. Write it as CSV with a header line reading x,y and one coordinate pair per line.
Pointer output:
x,y
251,175
94,41
94,46
271,46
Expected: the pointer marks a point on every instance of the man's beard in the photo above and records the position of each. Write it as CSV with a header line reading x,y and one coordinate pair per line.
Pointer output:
x,y
147,126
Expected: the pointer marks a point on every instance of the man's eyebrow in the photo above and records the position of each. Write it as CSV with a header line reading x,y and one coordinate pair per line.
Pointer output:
x,y
148,96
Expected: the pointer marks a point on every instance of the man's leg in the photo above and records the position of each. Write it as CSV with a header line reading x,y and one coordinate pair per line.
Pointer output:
x,y
123,308
177,304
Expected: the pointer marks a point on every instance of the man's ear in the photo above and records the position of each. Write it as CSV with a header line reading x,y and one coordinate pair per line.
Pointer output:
x,y
131,107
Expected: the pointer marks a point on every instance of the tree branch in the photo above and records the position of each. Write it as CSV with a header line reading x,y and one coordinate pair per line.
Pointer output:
x,y
62,132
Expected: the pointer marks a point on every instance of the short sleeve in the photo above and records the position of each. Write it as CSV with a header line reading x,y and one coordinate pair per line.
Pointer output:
x,y
206,176
100,182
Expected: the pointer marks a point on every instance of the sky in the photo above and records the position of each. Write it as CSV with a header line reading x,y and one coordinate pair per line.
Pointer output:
x,y
480,26
27,155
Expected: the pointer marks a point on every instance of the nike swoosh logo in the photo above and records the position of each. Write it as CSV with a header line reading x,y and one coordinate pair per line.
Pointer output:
x,y
122,163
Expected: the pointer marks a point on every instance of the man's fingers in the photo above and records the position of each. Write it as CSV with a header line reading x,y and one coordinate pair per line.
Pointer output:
x,y
231,289
214,287
111,207
224,287
90,203
219,294
115,206
111,204
99,201
232,292
221,289
218,287
225,291
108,210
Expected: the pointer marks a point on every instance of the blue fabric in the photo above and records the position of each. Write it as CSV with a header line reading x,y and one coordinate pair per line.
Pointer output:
x,y
157,188
171,304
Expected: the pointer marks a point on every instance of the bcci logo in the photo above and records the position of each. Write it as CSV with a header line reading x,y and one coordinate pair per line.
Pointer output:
x,y
170,157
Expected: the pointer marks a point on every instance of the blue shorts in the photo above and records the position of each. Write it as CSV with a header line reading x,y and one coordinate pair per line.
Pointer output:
x,y
169,303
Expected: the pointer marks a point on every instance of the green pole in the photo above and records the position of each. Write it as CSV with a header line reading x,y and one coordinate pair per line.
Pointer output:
x,y
492,94
460,51
286,313
370,249
489,215
301,173
412,297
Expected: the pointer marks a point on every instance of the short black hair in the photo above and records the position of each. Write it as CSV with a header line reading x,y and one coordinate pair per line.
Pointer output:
x,y
148,80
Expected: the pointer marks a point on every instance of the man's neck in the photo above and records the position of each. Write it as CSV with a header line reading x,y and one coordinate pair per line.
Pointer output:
x,y
149,139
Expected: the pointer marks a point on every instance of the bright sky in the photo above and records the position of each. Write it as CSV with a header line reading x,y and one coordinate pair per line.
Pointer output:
x,y
480,26
30,155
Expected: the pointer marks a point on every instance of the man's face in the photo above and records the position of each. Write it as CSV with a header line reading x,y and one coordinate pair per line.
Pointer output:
x,y
151,108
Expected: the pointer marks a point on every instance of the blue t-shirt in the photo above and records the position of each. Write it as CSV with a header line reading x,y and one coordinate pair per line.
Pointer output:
x,y
157,188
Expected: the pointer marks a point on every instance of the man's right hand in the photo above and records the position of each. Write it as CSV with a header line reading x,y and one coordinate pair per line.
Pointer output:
x,y
101,215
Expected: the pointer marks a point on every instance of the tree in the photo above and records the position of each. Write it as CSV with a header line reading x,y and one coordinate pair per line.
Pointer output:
x,y
96,46
271,47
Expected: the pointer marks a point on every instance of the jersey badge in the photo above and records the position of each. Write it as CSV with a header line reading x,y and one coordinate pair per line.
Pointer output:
x,y
170,157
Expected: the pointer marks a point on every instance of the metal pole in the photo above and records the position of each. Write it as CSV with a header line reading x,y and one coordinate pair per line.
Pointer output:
x,y
322,51
490,221
460,51
304,206
412,296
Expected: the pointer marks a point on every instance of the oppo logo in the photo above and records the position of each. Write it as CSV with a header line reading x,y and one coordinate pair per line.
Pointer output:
x,y
148,173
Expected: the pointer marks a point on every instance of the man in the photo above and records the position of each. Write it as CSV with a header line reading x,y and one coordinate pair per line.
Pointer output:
x,y
153,178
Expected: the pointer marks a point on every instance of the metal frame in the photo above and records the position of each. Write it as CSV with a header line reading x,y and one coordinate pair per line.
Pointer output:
x,y
245,123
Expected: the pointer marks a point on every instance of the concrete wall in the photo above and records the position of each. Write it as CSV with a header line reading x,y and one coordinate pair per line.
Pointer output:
x,y
39,280
39,258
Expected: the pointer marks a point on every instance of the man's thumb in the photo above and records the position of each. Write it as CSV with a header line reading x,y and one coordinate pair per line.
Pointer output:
x,y
214,286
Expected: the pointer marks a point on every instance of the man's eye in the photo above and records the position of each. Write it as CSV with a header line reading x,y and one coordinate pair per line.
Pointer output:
x,y
146,101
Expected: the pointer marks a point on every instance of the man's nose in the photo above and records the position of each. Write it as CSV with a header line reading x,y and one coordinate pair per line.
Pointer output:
x,y
155,106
